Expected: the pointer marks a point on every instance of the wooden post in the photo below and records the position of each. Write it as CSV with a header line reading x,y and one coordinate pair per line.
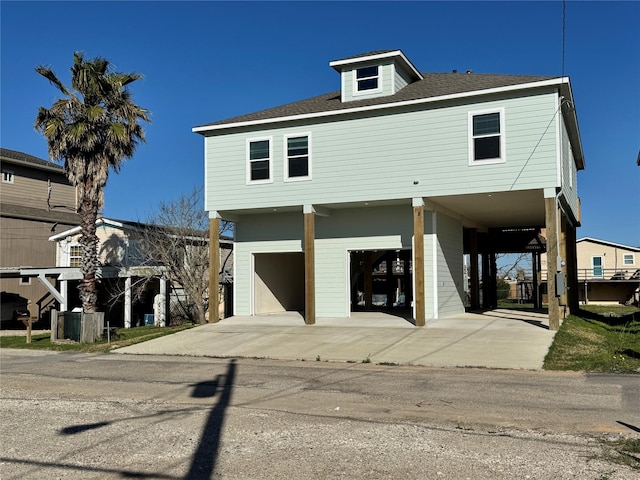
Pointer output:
x,y
486,282
573,294
309,269
418,264
552,261
214,269
563,254
473,269
535,280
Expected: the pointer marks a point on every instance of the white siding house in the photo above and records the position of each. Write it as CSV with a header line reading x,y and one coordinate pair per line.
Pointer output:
x,y
367,197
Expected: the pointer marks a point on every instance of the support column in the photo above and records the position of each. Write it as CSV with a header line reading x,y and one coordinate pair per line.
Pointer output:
x,y
473,269
486,282
418,261
573,294
162,321
309,268
368,280
127,302
64,289
535,281
563,255
214,268
551,213
390,287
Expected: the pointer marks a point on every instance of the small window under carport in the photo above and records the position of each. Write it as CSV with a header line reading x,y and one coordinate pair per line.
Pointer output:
x,y
278,283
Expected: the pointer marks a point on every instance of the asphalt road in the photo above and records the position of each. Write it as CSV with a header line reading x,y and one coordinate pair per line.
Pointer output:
x,y
83,416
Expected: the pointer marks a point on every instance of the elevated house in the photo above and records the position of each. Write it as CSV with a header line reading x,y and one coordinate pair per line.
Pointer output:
x,y
608,272
36,201
133,287
367,197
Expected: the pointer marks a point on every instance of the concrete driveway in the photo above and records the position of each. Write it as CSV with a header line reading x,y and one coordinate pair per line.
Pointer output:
x,y
495,339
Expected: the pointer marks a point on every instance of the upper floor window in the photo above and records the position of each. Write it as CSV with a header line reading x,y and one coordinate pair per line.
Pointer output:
x,y
75,256
367,78
486,137
259,160
298,158
628,259
7,176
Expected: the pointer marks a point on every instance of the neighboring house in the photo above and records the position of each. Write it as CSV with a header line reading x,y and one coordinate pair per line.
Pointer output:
x,y
397,169
130,285
608,272
36,200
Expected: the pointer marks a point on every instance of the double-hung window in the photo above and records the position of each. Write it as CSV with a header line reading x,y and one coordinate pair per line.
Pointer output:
x,y
75,255
367,79
297,162
259,160
7,176
628,259
486,137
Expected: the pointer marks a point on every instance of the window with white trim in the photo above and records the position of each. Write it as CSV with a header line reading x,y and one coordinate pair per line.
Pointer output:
x,y
486,137
627,259
75,255
7,176
367,79
259,160
297,162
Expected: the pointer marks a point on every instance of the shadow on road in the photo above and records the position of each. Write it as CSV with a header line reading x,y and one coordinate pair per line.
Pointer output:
x,y
204,458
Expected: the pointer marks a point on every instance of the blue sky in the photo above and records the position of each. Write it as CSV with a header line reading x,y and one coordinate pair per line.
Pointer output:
x,y
206,61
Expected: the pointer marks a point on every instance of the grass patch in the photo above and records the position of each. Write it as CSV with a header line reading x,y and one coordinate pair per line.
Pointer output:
x,y
122,338
610,310
592,342
625,451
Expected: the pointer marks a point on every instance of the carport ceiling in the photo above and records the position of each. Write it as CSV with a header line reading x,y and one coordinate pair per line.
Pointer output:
x,y
499,209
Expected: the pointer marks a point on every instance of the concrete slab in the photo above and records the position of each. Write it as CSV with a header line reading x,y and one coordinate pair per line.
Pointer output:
x,y
496,339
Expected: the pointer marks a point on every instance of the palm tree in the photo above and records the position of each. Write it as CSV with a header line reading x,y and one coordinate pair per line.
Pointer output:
x,y
93,129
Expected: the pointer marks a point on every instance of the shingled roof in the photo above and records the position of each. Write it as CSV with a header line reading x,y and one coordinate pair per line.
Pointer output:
x,y
431,86
21,157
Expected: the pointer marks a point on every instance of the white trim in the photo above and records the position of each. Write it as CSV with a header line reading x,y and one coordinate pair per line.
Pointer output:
x,y
559,149
379,56
434,258
356,91
248,143
234,290
601,266
9,174
252,281
605,242
347,281
285,148
420,101
470,138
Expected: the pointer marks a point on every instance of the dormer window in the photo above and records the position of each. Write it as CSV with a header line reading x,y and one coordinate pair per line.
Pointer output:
x,y
367,78
374,75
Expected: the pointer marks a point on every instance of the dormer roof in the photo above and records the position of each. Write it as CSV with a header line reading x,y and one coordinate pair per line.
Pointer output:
x,y
375,56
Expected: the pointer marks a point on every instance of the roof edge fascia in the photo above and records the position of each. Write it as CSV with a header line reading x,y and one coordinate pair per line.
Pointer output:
x,y
52,167
78,229
474,93
606,242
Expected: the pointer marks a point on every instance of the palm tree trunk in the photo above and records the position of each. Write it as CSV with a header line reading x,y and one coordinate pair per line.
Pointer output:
x,y
88,212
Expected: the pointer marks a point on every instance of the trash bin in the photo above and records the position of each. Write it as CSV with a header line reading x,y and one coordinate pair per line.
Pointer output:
x,y
72,325
149,319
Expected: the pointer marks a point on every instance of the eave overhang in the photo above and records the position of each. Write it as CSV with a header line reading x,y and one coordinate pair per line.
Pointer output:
x,y
560,83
